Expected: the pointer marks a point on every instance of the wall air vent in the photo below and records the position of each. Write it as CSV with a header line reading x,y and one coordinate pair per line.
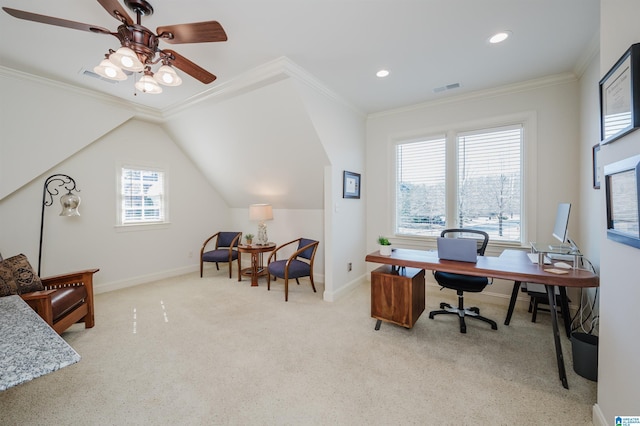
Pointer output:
x,y
447,87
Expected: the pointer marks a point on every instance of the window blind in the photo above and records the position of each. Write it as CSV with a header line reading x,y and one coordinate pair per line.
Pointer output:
x,y
420,187
490,181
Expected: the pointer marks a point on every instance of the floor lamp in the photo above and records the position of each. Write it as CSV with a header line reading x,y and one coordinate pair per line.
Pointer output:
x,y
260,213
69,201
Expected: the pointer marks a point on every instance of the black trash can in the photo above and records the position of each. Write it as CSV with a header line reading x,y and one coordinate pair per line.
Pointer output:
x,y
585,355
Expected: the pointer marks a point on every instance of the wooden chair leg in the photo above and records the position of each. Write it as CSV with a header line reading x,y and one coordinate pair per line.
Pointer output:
x,y
312,285
286,289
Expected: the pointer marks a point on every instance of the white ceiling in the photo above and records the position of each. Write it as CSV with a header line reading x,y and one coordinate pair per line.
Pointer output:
x,y
423,43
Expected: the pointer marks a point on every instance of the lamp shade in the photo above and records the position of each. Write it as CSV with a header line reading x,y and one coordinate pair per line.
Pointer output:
x,y
260,212
106,69
70,203
167,76
148,85
127,59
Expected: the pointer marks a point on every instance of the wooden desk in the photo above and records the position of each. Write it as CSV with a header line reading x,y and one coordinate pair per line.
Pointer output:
x,y
257,268
511,265
29,348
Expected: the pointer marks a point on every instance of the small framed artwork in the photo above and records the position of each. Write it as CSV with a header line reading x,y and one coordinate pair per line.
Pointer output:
x,y
351,185
622,186
620,97
596,166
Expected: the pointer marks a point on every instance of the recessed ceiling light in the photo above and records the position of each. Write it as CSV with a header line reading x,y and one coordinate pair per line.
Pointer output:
x,y
382,73
499,37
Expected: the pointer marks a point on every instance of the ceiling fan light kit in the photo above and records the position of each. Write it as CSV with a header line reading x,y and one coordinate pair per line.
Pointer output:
x,y
139,46
106,69
167,76
147,84
126,59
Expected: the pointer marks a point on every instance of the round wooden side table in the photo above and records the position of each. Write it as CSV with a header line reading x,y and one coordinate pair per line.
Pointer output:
x,y
257,268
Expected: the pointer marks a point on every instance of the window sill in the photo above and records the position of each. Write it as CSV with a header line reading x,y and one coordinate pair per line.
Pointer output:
x,y
142,227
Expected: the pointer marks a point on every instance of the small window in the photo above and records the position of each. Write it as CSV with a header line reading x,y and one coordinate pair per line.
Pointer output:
x,y
142,196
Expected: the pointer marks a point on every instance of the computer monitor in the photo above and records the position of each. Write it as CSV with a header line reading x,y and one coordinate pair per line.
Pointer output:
x,y
561,225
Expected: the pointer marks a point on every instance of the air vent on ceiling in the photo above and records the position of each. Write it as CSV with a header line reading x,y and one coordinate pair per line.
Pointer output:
x,y
447,87
94,75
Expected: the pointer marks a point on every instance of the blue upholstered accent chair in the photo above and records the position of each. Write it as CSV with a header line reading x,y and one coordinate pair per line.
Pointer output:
x,y
462,283
298,265
224,252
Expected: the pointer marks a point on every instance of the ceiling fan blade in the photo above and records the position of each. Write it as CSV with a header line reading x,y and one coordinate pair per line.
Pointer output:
x,y
189,67
196,32
116,10
43,19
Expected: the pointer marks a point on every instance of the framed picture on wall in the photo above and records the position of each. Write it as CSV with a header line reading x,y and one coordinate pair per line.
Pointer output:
x,y
622,186
351,185
620,97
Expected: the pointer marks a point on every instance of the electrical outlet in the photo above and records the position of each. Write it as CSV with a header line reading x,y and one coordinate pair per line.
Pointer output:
x,y
349,267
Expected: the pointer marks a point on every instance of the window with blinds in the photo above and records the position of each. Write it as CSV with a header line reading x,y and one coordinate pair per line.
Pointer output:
x,y
484,179
142,195
420,187
489,182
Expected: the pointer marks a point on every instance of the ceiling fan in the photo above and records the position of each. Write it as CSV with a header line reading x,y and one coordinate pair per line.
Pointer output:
x,y
139,45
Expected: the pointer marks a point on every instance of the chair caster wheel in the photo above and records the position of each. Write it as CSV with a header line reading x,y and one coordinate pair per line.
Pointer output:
x,y
431,316
444,305
476,310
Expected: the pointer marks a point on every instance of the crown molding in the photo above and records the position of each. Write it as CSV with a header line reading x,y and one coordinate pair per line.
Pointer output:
x,y
496,91
268,73
149,114
271,72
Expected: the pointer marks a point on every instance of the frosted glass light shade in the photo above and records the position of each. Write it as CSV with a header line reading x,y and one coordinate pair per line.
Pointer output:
x,y
127,59
147,84
167,76
108,70
70,203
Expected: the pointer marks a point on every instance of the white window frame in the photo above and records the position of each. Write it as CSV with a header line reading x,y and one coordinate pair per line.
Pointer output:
x,y
144,224
528,121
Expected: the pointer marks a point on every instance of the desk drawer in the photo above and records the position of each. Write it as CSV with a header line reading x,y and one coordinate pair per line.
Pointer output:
x,y
397,295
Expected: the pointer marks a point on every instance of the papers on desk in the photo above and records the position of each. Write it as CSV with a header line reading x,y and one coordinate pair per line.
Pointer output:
x,y
534,258
557,271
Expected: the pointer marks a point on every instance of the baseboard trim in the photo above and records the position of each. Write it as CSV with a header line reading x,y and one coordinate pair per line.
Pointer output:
x,y
143,279
332,296
598,416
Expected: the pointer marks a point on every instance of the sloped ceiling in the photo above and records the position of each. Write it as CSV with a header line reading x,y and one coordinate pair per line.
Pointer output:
x,y
259,146
35,115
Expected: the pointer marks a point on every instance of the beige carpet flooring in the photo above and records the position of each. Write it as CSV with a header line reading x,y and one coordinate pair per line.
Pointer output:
x,y
201,351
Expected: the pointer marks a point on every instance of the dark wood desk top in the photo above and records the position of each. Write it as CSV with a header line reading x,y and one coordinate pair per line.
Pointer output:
x,y
513,265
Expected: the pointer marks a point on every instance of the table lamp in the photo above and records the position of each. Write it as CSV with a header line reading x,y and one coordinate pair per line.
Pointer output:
x,y
261,213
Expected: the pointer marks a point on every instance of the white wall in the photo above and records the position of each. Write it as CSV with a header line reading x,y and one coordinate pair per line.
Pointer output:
x,y
553,103
92,240
340,129
618,374
44,123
